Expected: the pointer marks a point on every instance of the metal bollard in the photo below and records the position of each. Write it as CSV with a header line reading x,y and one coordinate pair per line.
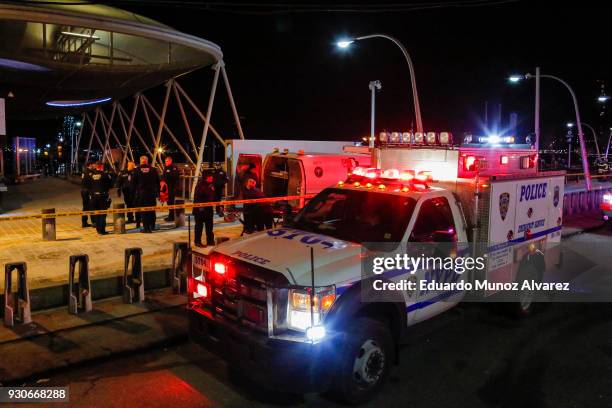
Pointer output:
x,y
48,225
119,219
133,283
20,300
179,214
179,259
79,292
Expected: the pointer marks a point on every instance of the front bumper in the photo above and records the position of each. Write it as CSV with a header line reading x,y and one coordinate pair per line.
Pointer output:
x,y
276,364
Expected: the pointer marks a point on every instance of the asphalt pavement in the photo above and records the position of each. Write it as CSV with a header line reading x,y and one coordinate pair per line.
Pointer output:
x,y
472,356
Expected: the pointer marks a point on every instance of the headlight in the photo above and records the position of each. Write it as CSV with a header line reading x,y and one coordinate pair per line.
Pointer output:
x,y
607,198
300,316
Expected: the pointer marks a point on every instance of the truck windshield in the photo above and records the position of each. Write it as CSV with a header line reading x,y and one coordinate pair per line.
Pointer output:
x,y
357,216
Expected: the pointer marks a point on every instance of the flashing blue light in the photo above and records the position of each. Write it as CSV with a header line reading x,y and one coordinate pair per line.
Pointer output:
x,y
76,103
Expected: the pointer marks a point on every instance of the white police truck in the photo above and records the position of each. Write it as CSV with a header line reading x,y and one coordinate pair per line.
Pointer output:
x,y
285,305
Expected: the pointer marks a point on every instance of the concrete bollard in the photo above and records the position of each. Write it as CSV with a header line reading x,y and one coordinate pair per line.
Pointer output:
x,y
79,292
18,302
48,225
133,282
179,214
119,219
179,260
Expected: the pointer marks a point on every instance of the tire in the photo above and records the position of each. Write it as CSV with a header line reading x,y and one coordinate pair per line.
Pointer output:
x,y
525,306
367,355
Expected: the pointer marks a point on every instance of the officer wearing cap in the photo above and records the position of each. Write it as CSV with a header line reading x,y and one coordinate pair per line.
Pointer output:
x,y
171,177
125,187
101,182
204,193
86,193
146,185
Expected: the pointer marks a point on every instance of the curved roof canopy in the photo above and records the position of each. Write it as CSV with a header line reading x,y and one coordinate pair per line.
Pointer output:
x,y
60,58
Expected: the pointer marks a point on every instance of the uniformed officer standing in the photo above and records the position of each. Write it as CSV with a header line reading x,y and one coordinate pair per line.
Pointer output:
x,y
220,179
101,182
257,216
86,193
204,193
146,185
171,177
125,186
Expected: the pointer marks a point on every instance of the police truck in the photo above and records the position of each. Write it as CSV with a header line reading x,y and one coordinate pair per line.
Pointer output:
x,y
285,306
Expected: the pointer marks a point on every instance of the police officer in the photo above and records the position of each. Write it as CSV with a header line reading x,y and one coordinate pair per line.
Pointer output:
x,y
171,177
101,182
86,193
220,179
257,216
204,193
125,186
146,185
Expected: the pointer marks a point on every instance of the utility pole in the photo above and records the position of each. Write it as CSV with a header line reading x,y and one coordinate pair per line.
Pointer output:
x,y
373,86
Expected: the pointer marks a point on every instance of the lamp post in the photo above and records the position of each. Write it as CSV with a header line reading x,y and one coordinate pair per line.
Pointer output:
x,y
373,86
594,138
585,161
415,96
570,136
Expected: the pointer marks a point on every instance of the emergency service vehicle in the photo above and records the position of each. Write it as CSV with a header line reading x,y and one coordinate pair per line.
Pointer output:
x,y
285,305
300,174
241,152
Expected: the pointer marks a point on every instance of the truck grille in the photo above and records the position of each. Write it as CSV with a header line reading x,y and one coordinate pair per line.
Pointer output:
x,y
247,297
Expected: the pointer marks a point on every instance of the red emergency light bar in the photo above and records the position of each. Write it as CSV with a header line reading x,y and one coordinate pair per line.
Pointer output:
x,y
390,176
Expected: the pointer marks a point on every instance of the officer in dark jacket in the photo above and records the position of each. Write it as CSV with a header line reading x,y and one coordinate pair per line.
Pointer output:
x,y
125,186
171,177
86,193
220,179
204,193
101,182
146,185
257,216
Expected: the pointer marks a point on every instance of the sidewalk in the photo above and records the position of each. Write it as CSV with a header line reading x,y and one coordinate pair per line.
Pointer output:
x,y
57,340
47,261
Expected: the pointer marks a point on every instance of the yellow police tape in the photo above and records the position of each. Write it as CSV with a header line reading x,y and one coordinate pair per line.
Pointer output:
x,y
154,208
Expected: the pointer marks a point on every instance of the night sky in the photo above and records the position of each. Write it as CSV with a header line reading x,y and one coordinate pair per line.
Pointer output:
x,y
290,81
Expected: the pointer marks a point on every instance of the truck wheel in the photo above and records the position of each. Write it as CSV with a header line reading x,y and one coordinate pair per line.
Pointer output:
x,y
367,354
525,305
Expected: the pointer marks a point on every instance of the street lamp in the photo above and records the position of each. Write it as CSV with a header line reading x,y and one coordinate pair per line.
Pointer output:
x,y
585,161
346,43
603,98
373,86
594,137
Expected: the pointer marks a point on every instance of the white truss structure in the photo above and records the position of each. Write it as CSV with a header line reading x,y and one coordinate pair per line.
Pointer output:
x,y
118,130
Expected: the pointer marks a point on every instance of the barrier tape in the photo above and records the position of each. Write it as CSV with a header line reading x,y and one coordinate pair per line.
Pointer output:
x,y
153,208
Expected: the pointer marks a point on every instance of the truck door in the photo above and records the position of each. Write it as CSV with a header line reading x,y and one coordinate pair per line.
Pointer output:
x,y
296,184
247,164
433,238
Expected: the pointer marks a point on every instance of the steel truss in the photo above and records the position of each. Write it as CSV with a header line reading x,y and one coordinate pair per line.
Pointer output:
x,y
117,128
